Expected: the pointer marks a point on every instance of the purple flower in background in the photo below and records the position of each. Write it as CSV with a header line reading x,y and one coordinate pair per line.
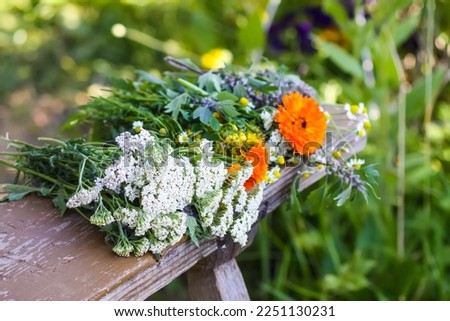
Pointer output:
x,y
299,23
293,30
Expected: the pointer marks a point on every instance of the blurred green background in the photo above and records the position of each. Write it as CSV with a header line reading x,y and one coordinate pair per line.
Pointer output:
x,y
391,54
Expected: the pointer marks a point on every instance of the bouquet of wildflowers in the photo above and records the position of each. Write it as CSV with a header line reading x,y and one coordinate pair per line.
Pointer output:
x,y
188,153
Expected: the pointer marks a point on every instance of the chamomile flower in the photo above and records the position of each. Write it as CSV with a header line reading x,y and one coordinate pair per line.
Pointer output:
x,y
355,163
183,138
360,131
273,175
307,172
248,106
137,126
349,112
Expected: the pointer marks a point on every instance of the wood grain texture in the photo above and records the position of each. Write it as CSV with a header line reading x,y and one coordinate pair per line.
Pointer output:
x,y
44,256
221,283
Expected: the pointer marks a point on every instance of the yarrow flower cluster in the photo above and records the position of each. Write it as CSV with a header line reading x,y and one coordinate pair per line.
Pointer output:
x,y
158,194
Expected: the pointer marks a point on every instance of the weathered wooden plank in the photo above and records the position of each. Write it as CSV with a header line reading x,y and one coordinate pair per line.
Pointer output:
x,y
46,257
179,260
221,283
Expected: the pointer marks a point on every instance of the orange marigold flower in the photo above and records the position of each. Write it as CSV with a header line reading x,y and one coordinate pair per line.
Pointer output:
x,y
258,156
301,122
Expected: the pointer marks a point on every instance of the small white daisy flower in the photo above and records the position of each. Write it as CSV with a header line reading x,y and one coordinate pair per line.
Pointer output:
x,y
138,125
355,163
360,130
183,138
349,113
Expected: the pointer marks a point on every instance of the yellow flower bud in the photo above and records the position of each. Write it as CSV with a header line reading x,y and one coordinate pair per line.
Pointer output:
x,y
319,166
294,160
244,101
354,109
163,131
357,166
216,114
234,127
306,174
337,154
281,160
367,125
277,173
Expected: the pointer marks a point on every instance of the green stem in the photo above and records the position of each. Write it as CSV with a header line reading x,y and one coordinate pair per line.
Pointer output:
x,y
29,171
54,140
82,214
190,85
80,178
122,234
18,143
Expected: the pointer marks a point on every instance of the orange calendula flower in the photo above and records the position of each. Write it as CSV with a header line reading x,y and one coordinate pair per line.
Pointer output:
x,y
258,156
301,122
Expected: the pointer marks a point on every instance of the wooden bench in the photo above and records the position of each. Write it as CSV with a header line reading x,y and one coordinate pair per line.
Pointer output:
x,y
46,257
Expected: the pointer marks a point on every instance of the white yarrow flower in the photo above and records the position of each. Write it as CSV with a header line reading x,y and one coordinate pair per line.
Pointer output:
x,y
267,119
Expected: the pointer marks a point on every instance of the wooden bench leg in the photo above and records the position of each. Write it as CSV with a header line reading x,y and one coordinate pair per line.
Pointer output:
x,y
223,282
217,277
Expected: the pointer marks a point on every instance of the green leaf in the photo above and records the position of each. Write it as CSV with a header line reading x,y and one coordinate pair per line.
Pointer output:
x,y
74,120
240,91
175,104
17,192
204,114
252,35
143,75
337,11
370,173
191,229
256,82
209,81
315,200
403,30
224,95
343,196
184,64
294,200
228,109
120,83
415,99
60,202
340,57
215,124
